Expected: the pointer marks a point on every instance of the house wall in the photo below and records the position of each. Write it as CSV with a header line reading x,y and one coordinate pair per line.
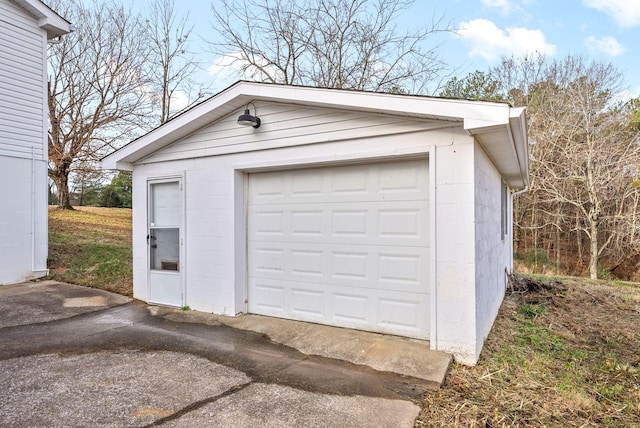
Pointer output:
x,y
23,150
492,248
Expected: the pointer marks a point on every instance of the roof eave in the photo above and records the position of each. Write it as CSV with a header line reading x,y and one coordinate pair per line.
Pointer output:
x,y
239,94
508,152
48,19
505,142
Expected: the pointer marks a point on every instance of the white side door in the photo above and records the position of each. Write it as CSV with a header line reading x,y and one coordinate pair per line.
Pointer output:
x,y
165,242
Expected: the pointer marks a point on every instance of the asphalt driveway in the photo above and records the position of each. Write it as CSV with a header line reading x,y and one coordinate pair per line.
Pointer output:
x,y
74,356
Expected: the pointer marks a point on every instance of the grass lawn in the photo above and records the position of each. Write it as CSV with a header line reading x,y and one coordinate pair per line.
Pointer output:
x,y
92,247
563,353
565,356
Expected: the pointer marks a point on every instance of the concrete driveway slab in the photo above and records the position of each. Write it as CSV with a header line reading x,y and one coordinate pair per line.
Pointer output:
x,y
36,302
409,357
262,405
119,389
75,357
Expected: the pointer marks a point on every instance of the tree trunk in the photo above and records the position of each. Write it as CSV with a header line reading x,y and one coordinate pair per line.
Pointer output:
x,y
593,262
60,177
64,201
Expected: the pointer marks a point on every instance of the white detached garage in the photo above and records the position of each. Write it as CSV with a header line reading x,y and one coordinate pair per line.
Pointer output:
x,y
379,212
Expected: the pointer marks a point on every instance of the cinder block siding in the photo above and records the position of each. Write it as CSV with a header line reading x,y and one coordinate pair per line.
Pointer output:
x,y
215,212
455,318
493,249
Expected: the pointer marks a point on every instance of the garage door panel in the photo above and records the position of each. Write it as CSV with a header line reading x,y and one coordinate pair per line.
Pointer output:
x,y
269,189
400,315
351,308
307,263
345,246
373,182
268,298
268,223
396,268
306,222
379,223
307,302
375,310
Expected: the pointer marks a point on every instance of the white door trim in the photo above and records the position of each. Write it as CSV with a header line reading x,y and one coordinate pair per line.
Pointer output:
x,y
150,180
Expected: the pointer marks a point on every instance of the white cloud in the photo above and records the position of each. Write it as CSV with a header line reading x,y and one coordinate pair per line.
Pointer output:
x,y
226,68
504,5
179,100
607,45
625,12
232,66
490,42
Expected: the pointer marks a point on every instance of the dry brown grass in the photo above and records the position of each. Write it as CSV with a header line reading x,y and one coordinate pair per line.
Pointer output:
x,y
554,358
91,246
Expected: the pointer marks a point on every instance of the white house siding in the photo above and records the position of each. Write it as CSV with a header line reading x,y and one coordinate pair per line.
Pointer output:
x,y
23,154
285,125
21,207
493,250
22,65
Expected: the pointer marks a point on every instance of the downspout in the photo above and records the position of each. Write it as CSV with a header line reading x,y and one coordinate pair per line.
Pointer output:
x,y
526,188
519,192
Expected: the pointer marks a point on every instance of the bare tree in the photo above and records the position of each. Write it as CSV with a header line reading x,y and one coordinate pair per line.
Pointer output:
x,y
584,159
96,96
351,44
171,65
584,156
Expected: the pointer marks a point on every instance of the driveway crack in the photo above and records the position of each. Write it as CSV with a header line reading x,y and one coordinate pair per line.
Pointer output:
x,y
198,404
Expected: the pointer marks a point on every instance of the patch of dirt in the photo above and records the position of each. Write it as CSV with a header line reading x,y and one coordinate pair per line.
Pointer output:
x,y
561,353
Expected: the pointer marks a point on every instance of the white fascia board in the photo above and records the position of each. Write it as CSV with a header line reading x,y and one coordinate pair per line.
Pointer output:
x,y
404,105
518,128
48,20
189,122
239,94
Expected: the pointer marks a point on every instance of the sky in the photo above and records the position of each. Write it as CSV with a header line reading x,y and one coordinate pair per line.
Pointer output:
x,y
486,30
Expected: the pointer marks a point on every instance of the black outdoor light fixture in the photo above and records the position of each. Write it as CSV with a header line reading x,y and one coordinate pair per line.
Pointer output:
x,y
246,119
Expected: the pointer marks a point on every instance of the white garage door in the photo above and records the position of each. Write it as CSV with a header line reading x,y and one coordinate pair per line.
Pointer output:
x,y
344,246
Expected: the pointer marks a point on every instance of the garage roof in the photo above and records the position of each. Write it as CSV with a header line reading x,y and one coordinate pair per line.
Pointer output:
x,y
498,127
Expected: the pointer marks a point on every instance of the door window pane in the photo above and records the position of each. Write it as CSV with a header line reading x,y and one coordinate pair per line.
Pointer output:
x,y
165,205
165,249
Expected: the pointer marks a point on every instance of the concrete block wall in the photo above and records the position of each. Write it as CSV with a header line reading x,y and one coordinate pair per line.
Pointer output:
x,y
215,268
492,247
455,231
